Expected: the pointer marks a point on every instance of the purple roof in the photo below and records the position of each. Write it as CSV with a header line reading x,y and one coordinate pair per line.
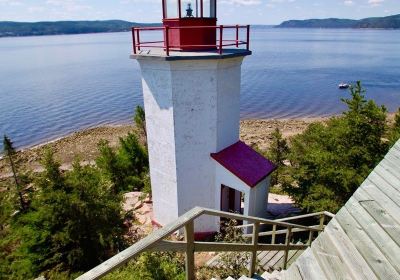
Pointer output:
x,y
245,163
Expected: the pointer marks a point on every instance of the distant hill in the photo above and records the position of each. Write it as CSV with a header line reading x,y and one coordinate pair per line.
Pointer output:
x,y
390,22
10,28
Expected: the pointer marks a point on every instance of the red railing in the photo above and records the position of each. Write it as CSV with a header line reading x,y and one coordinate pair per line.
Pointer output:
x,y
219,45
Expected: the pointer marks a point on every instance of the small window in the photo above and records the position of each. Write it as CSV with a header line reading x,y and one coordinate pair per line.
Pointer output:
x,y
171,8
190,8
209,8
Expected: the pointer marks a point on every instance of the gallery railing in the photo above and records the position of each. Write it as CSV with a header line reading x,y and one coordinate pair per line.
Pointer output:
x,y
166,45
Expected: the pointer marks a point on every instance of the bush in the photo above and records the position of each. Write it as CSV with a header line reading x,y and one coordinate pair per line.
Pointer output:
x,y
152,266
73,224
126,168
330,161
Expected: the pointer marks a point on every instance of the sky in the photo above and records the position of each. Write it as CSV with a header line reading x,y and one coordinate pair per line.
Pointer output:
x,y
229,11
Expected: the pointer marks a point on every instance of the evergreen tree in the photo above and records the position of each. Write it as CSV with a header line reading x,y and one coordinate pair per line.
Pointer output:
x,y
9,151
74,223
329,161
140,120
394,134
278,153
128,167
397,120
109,164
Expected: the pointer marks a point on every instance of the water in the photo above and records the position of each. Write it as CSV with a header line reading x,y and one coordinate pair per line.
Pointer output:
x,y
54,85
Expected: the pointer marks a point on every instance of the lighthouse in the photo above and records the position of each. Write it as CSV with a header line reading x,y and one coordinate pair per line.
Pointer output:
x,y
191,78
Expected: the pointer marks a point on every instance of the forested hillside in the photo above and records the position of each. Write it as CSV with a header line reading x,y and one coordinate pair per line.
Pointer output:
x,y
390,22
10,28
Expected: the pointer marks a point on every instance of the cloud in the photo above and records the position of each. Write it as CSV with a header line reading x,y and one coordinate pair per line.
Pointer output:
x,y
243,2
375,3
348,3
68,5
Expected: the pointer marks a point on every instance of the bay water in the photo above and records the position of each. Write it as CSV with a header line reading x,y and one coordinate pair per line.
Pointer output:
x,y
51,86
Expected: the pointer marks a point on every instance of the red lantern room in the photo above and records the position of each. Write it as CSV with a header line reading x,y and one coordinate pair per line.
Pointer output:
x,y
191,23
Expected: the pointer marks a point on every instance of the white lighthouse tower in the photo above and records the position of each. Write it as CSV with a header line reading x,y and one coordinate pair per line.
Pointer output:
x,y
191,89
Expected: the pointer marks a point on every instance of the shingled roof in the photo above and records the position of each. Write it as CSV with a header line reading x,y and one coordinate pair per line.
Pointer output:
x,y
245,163
363,240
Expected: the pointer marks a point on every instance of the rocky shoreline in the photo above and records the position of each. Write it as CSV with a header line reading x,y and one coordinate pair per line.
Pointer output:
x,y
83,144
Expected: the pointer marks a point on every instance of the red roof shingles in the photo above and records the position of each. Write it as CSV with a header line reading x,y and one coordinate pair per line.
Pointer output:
x,y
245,163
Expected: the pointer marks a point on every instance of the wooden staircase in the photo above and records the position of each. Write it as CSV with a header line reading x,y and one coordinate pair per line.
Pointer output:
x,y
278,255
267,260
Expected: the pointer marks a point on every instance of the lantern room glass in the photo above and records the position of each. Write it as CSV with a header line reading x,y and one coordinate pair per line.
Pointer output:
x,y
171,9
189,8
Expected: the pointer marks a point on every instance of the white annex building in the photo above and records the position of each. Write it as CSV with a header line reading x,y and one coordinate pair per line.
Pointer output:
x,y
191,91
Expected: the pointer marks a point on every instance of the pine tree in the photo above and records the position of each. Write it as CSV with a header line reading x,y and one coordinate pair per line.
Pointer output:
x,y
140,121
128,167
397,120
9,151
394,134
109,164
278,153
330,161
74,223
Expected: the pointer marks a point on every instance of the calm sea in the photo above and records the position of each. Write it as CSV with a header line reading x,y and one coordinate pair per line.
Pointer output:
x,y
54,85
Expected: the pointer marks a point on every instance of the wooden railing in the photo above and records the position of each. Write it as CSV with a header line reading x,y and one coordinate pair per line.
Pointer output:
x,y
288,232
156,241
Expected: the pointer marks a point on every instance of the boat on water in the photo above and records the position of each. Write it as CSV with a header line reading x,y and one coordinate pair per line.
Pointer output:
x,y
344,86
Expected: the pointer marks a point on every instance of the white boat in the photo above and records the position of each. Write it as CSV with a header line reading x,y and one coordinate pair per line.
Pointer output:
x,y
343,85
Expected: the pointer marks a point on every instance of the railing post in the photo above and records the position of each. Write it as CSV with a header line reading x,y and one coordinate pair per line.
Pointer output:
x,y
310,237
273,234
189,260
287,244
167,40
221,28
134,41
321,222
237,36
253,261
138,38
248,38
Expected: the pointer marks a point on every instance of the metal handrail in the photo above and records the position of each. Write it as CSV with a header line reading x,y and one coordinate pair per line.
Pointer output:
x,y
165,44
155,242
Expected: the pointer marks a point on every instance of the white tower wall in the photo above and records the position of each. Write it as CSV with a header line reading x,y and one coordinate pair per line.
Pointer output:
x,y
192,110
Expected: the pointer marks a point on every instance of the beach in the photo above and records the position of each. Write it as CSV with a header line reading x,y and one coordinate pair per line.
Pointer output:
x,y
83,144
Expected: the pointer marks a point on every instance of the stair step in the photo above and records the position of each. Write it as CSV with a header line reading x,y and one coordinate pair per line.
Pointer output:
x,y
275,275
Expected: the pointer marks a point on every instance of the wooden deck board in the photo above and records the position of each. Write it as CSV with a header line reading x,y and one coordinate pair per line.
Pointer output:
x,y
329,260
388,177
367,248
295,257
292,273
275,259
309,267
385,187
267,258
375,232
396,150
380,215
392,158
390,167
359,268
363,240
372,192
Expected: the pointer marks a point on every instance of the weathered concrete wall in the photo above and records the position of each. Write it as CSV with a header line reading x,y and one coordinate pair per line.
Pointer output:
x,y
157,94
259,198
192,110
